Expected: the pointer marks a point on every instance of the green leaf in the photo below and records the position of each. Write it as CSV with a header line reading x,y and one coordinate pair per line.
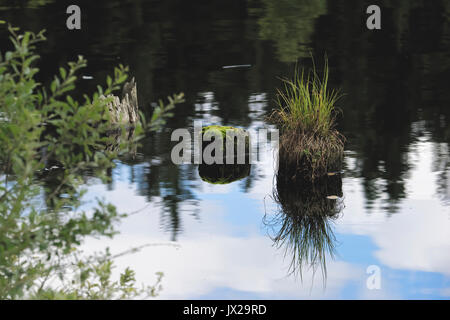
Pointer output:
x,y
63,73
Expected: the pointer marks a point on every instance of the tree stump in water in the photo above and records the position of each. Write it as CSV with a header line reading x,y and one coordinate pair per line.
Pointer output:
x,y
124,111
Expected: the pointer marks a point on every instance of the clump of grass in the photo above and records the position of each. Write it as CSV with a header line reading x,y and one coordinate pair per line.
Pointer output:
x,y
306,102
306,115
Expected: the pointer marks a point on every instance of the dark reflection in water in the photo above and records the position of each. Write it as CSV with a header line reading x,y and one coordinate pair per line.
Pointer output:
x,y
223,173
394,79
303,224
395,86
290,25
157,177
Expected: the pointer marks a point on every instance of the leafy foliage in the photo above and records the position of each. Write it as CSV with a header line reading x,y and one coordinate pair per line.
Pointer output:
x,y
40,126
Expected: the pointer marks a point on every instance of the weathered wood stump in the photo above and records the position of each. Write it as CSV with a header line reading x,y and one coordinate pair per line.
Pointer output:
x,y
124,114
124,110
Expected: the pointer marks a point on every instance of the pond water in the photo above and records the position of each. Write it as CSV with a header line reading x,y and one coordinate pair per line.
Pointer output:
x,y
217,241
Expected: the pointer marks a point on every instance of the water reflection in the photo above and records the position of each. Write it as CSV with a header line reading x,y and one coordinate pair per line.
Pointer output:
x,y
223,173
290,24
390,78
396,95
303,224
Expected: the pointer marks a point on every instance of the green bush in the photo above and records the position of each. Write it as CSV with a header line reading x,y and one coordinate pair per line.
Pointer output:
x,y
39,243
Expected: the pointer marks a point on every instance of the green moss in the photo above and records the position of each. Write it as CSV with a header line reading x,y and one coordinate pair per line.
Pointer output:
x,y
224,130
221,129
227,132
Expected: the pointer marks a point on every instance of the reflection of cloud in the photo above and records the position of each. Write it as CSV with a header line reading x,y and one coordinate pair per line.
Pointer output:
x,y
417,237
207,263
208,188
211,256
445,292
424,246
224,253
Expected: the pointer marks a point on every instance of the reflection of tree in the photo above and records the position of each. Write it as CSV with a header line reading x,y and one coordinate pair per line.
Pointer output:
x,y
290,24
170,46
157,177
441,164
232,99
391,79
166,50
303,222
25,3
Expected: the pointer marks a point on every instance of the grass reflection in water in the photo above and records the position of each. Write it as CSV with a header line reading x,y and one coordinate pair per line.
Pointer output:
x,y
302,224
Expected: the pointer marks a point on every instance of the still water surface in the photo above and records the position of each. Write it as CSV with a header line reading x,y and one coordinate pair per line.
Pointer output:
x,y
217,241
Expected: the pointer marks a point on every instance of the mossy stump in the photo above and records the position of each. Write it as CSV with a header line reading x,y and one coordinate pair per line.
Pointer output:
x,y
310,156
236,138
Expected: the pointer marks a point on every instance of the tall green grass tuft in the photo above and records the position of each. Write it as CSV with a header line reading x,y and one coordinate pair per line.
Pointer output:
x,y
306,103
306,113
